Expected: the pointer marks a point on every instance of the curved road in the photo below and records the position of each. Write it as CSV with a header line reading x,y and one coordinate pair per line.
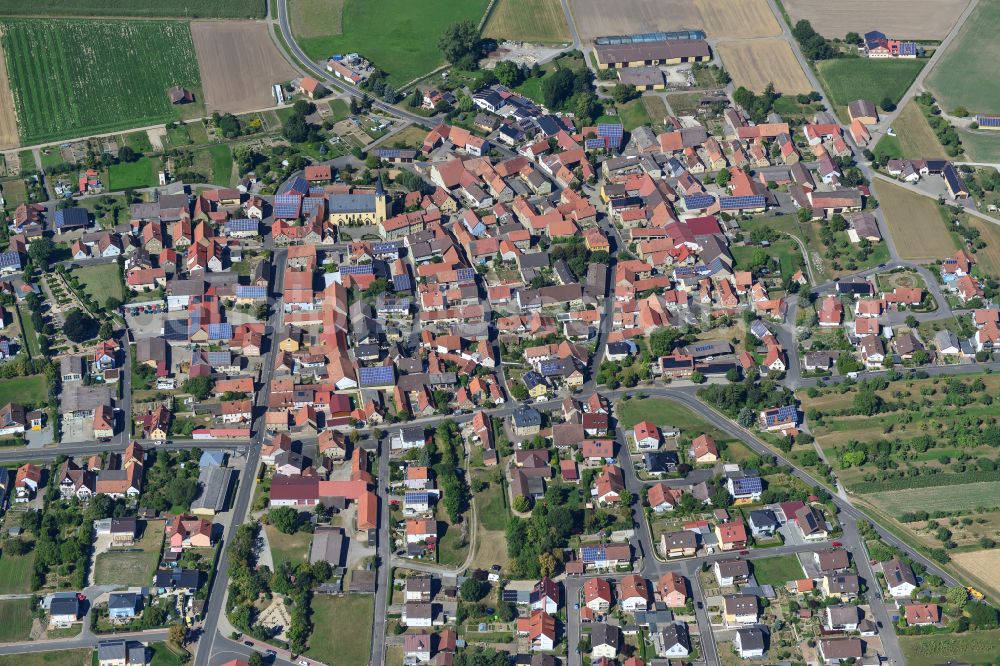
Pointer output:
x,y
338,84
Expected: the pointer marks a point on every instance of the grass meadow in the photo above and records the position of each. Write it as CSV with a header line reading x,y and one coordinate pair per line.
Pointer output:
x,y
399,36
848,79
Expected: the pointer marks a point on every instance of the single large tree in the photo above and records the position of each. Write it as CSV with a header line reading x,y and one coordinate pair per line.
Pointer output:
x,y
79,326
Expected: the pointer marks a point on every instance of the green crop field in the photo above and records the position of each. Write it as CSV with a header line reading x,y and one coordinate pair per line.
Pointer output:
x,y
848,79
777,571
75,77
939,498
139,8
974,647
399,36
966,73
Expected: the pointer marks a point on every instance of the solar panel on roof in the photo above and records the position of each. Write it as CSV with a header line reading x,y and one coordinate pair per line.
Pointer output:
x,y
242,224
751,201
217,358
698,201
509,595
10,259
594,144
988,121
297,185
287,206
310,204
593,553
376,376
465,274
401,282
221,331
387,153
748,485
252,291
359,269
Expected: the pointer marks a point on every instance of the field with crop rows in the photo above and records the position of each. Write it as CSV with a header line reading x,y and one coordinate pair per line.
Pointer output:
x,y
143,8
73,78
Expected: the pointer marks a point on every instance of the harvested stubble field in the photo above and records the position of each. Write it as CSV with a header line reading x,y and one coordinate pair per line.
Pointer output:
x,y
754,64
78,77
982,567
904,19
538,21
595,18
738,19
916,138
239,64
915,223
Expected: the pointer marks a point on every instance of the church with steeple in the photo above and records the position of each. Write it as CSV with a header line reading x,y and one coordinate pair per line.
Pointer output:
x,y
359,208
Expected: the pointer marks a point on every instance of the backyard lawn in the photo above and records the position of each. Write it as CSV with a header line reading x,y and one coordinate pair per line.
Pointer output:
x,y
101,281
222,164
132,567
292,548
491,509
164,655
29,390
330,643
15,573
131,175
15,620
777,571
